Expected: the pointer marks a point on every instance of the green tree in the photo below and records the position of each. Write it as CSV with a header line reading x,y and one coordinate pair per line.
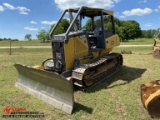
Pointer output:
x,y
88,25
157,33
148,33
42,35
128,29
108,26
28,37
61,28
125,29
65,24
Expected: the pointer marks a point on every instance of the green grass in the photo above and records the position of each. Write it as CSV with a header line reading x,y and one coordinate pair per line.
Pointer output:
x,y
139,41
24,43
25,51
137,50
120,101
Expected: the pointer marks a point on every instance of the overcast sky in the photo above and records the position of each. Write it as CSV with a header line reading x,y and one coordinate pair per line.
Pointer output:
x,y
21,17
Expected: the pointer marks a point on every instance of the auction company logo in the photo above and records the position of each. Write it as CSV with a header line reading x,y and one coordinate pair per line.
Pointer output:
x,y
8,110
15,112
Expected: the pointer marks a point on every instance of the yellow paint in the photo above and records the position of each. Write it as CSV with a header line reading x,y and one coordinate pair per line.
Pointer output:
x,y
77,47
81,47
39,67
74,48
69,53
112,41
157,40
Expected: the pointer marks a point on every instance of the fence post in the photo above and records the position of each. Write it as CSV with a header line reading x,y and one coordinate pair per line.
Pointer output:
x,y
10,48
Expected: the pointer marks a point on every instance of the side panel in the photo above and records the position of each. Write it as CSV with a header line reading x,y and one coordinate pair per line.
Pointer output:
x,y
112,41
76,47
81,46
69,54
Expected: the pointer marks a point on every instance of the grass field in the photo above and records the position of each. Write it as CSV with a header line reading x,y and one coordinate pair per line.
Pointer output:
x,y
24,43
139,41
39,43
116,98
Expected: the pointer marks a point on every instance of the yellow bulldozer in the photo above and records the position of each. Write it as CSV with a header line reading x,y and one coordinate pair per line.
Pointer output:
x,y
150,91
81,57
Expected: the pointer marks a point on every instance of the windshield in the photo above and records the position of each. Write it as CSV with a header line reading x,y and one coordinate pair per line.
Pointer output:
x,y
82,19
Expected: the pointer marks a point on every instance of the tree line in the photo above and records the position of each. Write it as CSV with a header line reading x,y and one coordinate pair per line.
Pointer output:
x,y
151,33
126,30
8,39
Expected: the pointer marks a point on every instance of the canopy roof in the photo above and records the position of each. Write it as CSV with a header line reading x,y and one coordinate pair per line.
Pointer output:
x,y
88,11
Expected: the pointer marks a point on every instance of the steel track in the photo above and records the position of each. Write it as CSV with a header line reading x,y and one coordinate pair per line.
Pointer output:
x,y
99,81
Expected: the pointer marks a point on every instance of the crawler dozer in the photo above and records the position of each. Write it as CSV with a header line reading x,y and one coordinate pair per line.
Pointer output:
x,y
150,91
81,57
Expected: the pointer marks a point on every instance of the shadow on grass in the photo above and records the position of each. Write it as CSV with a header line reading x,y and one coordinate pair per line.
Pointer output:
x,y
79,107
127,74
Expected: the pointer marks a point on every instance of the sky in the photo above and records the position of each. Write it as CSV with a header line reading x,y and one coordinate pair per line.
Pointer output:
x,y
21,17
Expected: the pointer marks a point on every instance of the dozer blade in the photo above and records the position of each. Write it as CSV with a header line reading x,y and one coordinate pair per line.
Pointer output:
x,y
156,52
48,86
150,96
